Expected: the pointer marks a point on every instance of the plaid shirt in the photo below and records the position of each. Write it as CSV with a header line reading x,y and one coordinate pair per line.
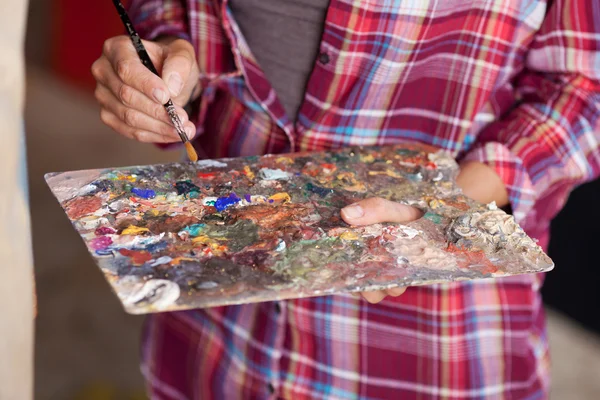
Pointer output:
x,y
511,83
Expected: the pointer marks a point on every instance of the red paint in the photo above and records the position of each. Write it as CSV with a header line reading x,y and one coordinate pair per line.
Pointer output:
x,y
206,175
331,167
467,258
138,257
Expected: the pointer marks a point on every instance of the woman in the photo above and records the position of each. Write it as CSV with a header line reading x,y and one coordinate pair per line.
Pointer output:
x,y
510,88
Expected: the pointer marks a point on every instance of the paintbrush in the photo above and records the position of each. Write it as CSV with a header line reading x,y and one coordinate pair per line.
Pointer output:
x,y
145,58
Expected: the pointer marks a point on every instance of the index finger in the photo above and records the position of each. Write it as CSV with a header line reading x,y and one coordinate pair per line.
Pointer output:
x,y
129,68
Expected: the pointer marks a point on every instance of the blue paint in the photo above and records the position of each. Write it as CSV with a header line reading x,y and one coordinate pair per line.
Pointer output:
x,y
321,191
152,248
248,198
194,230
104,252
223,202
144,193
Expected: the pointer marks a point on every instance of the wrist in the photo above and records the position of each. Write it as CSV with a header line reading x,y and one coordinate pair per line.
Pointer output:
x,y
480,182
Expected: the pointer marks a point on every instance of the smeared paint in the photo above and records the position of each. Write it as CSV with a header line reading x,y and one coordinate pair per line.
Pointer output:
x,y
256,229
186,187
100,243
321,191
159,293
137,257
280,197
161,261
268,174
105,230
134,230
81,206
223,202
248,172
206,175
194,230
210,164
144,193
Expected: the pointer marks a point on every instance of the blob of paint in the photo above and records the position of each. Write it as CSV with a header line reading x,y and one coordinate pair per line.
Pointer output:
x,y
100,243
144,193
223,203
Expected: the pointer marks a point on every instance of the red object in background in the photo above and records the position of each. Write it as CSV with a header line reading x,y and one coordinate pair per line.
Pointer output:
x,y
80,28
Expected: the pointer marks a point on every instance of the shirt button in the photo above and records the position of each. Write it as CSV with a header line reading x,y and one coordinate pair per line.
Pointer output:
x,y
324,58
277,308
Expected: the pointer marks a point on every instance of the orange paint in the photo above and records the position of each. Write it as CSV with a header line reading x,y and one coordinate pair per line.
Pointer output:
x,y
82,206
137,257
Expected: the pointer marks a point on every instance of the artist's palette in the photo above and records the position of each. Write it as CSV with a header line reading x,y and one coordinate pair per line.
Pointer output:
x,y
230,231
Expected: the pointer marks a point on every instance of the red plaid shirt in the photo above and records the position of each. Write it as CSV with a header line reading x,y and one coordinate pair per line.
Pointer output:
x,y
511,83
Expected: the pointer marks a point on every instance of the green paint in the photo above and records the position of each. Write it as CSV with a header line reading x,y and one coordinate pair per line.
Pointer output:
x,y
194,230
241,234
435,218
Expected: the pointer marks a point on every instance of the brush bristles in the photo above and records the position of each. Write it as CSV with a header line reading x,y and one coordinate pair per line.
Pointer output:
x,y
191,152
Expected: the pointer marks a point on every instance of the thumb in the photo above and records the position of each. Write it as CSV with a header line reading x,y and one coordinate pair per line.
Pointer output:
x,y
178,67
376,210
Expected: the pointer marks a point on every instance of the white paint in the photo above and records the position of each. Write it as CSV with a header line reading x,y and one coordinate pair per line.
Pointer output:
x,y
210,163
160,293
207,201
281,246
208,285
161,260
274,174
492,206
86,189
408,231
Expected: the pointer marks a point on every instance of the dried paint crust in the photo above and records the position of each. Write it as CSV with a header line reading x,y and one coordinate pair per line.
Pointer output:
x,y
219,232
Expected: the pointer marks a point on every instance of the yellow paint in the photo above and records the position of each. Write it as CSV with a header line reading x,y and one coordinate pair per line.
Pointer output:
x,y
349,235
284,160
434,203
129,178
283,197
155,212
249,172
367,159
134,230
178,260
386,172
351,183
214,246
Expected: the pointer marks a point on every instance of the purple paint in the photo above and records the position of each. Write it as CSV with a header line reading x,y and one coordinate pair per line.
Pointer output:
x,y
224,202
105,230
248,198
100,243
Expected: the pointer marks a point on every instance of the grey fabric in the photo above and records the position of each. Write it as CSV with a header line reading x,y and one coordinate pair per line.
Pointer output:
x,y
284,37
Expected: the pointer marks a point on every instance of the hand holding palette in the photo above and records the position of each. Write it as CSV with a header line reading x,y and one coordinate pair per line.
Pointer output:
x,y
230,231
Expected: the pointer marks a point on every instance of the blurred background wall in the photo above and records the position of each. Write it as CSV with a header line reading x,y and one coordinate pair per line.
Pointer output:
x,y
86,346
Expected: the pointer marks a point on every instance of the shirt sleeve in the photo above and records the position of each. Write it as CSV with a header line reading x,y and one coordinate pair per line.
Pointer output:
x,y
155,18
549,142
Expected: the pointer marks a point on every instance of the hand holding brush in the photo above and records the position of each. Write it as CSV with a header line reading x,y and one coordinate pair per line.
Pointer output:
x,y
135,101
